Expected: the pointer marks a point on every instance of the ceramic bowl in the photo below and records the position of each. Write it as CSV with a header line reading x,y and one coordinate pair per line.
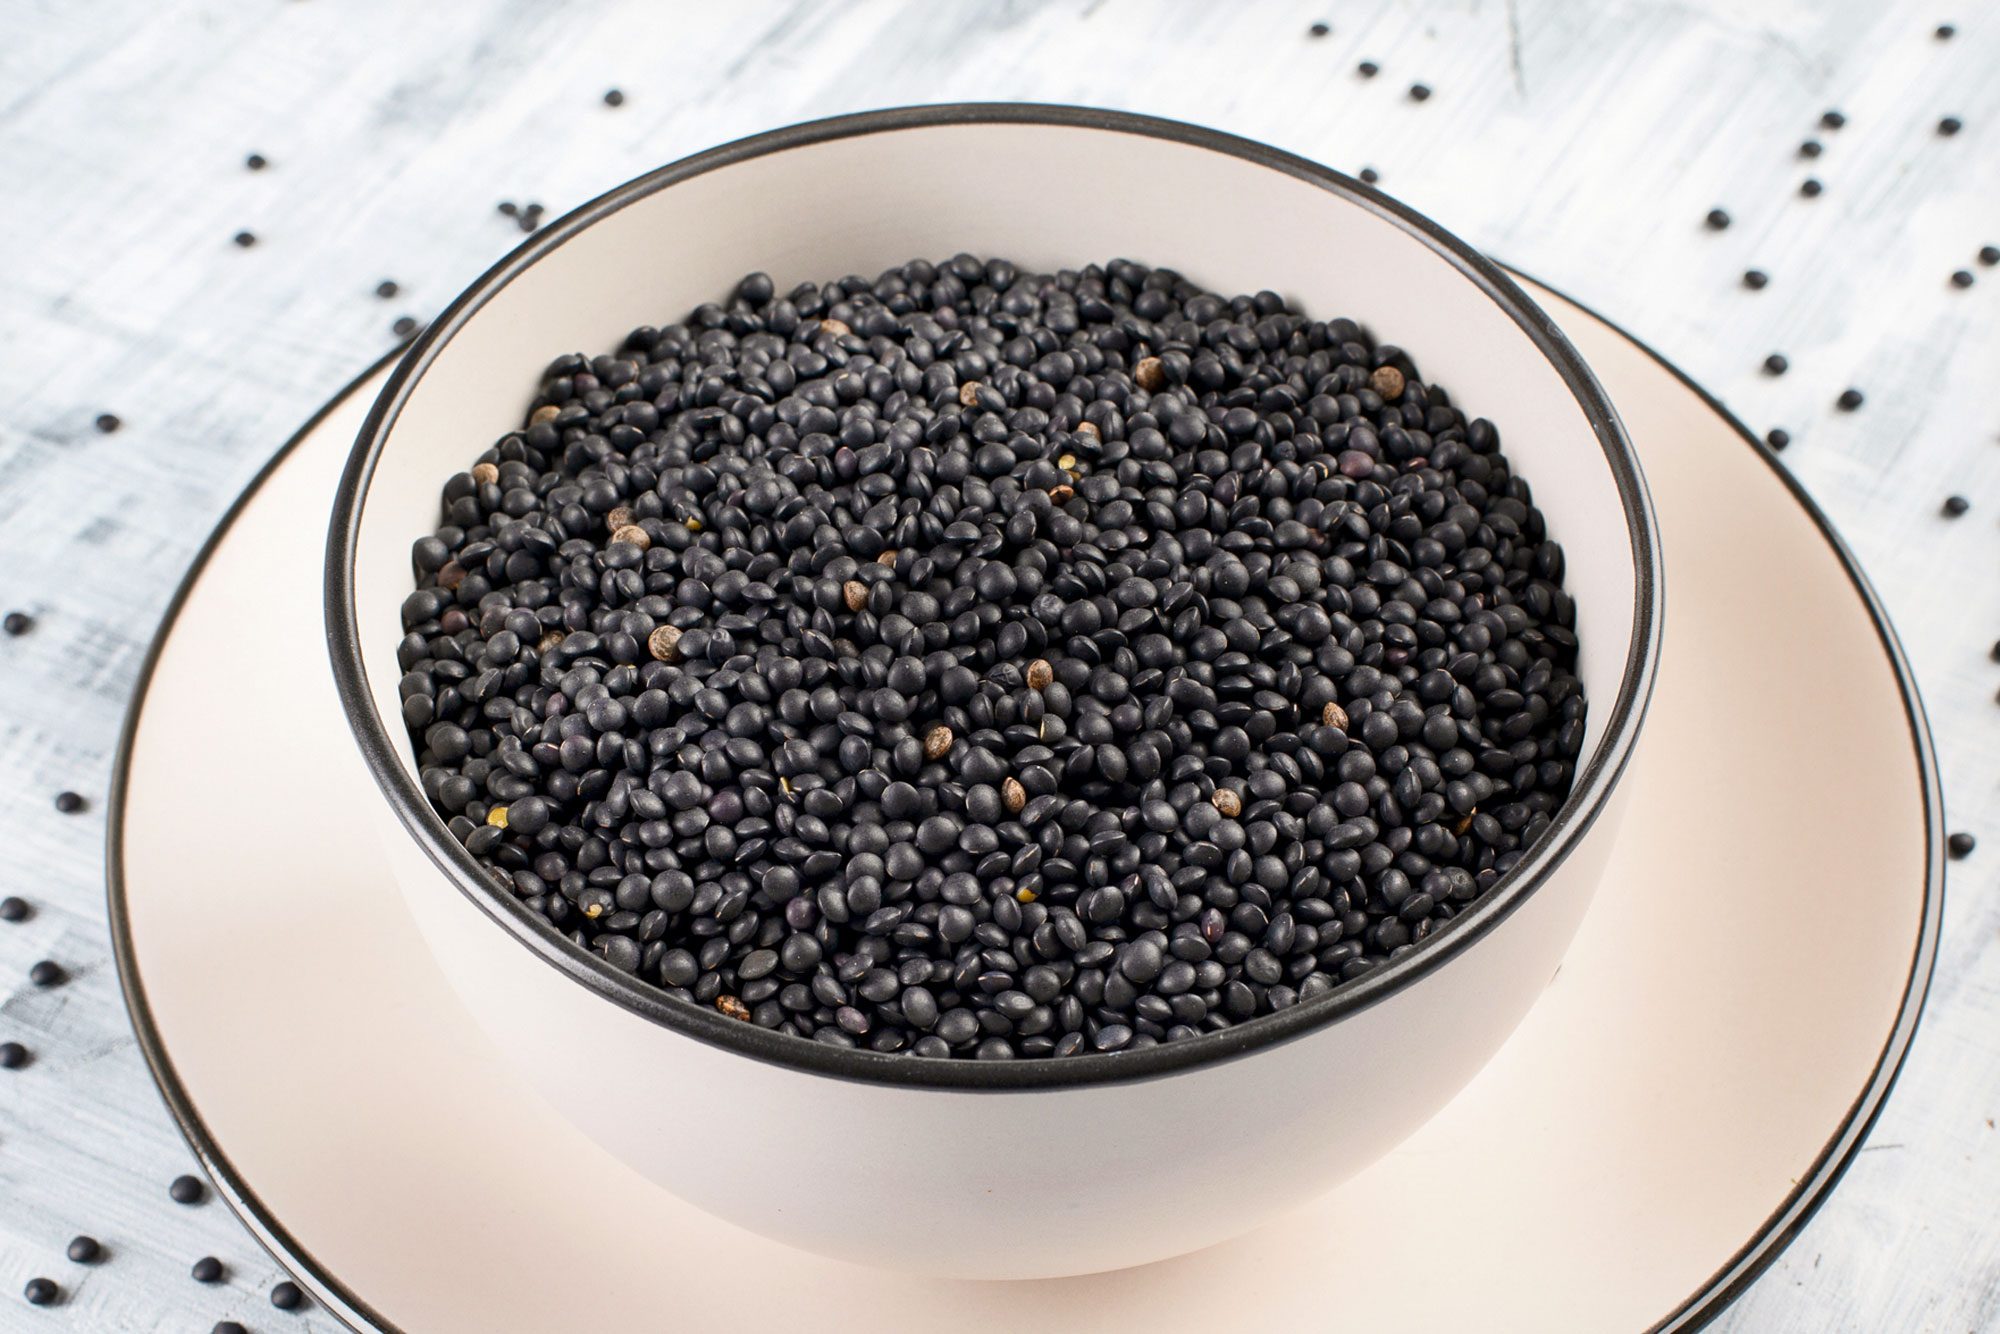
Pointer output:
x,y
969,1168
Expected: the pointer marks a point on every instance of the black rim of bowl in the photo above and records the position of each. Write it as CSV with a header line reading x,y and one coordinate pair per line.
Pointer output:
x,y
1772,1237
383,751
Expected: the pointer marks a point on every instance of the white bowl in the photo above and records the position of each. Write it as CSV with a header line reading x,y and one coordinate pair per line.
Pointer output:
x,y
972,1168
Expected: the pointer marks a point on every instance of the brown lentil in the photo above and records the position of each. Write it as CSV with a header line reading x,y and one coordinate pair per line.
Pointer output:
x,y
1388,382
1012,795
937,742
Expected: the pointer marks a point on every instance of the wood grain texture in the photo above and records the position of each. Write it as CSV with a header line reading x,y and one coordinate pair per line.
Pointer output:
x,y
1581,143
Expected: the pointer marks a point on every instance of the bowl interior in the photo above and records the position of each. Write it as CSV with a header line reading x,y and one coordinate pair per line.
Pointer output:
x,y
1047,196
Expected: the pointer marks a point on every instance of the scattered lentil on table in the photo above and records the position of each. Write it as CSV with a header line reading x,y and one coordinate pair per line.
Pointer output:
x,y
1369,176
70,803
14,908
287,1295
1955,506
1949,126
47,973
1756,279
1989,255
1775,364
1132,604
1849,400
1810,148
1810,187
1319,30
614,98
228,1327
245,239
85,1250
1960,845
1420,92
107,422
388,289
41,1291
404,326
1717,219
17,623
187,1190
12,1056
256,162
1368,69
1961,278
207,1269
1777,438
1832,120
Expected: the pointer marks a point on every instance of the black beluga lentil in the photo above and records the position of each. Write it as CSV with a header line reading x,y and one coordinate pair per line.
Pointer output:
x,y
977,663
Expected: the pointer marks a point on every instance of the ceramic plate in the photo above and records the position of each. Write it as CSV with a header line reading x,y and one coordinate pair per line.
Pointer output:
x,y
1706,1062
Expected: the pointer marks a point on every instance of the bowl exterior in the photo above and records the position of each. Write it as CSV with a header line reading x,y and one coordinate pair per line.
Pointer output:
x,y
1034,1183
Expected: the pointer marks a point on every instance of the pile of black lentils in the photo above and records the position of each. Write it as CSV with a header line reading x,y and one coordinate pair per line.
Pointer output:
x,y
980,663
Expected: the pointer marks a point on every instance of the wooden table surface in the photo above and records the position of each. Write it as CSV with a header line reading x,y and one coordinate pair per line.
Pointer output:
x,y
1582,144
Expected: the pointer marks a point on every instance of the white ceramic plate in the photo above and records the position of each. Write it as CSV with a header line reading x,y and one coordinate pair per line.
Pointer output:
x,y
1715,1047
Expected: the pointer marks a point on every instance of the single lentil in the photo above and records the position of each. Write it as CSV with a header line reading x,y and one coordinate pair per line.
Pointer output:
x,y
404,326
1961,278
1717,220
41,1291
228,1327
207,1269
1369,176
1319,30
85,1250
107,422
1775,364
1810,148
18,623
1420,92
187,1190
287,1295
1955,506
1949,126
1832,120
69,803
614,98
12,1056
1777,438
256,162
1062,777
1756,279
245,239
1810,187
1944,32
47,973
1368,69
388,289
14,908
1849,400
1989,255
1960,845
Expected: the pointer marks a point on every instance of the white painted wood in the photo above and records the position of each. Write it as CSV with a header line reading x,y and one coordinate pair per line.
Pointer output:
x,y
1581,143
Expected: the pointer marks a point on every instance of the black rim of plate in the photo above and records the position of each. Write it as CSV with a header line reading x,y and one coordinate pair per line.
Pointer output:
x,y
383,752
1724,1286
